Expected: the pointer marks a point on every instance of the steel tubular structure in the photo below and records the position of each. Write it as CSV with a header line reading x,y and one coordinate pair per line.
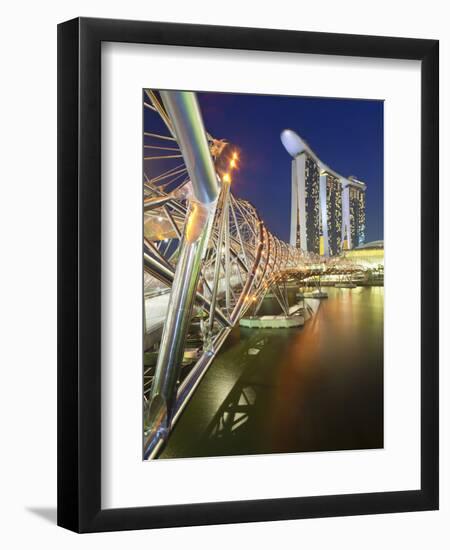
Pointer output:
x,y
210,248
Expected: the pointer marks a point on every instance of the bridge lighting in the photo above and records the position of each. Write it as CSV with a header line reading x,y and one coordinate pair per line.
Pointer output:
x,y
226,178
235,156
232,163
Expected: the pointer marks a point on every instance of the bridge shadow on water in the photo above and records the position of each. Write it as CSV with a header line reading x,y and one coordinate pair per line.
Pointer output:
x,y
319,388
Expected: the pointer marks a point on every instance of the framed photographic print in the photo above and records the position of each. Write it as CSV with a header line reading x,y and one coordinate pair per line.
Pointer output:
x,y
248,274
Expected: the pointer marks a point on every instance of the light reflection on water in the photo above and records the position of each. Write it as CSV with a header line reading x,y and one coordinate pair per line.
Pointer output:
x,y
312,389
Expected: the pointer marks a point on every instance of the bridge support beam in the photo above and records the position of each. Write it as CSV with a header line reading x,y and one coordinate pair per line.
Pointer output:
x,y
184,114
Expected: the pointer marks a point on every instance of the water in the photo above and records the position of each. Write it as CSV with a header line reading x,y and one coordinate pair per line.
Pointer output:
x,y
317,388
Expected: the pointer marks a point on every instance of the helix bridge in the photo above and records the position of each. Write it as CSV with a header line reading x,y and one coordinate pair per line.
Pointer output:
x,y
209,258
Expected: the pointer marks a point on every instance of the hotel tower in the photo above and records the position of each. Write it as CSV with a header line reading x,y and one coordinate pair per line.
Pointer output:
x,y
327,209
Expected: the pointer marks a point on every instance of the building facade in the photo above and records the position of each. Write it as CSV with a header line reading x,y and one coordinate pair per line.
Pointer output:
x,y
331,222
305,205
327,210
357,212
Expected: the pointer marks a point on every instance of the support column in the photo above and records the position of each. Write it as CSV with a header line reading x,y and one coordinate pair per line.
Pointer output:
x,y
226,221
294,206
300,162
323,212
219,243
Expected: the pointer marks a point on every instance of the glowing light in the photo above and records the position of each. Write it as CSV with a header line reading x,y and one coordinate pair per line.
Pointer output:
x,y
235,156
232,163
226,178
159,218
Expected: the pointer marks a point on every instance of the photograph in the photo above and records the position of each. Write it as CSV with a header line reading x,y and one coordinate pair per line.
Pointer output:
x,y
196,265
263,274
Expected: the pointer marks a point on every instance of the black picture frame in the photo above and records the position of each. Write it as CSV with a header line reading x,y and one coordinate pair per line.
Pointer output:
x,y
79,274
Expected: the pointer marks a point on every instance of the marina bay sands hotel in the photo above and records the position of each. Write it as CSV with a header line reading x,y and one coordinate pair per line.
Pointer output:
x,y
327,209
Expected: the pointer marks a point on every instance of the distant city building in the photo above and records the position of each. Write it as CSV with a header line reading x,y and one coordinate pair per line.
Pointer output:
x,y
357,207
331,225
327,210
370,255
305,230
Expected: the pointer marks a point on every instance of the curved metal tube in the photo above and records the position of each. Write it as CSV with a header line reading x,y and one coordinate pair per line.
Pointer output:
x,y
150,203
187,121
240,305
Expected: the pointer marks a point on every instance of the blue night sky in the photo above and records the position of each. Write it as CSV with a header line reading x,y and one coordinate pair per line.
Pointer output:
x,y
346,134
